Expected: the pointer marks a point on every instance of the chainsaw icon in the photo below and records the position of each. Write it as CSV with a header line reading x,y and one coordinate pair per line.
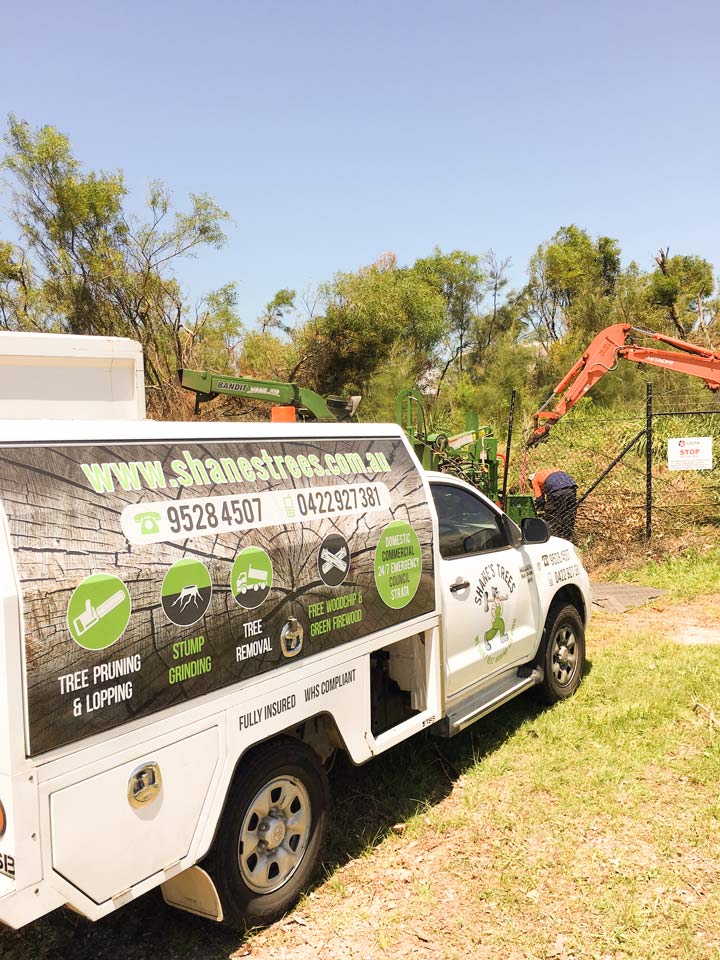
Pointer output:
x,y
92,614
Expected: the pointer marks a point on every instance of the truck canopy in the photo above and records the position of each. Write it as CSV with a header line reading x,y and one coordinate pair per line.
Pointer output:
x,y
56,376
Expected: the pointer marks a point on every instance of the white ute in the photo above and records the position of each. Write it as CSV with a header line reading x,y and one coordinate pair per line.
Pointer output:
x,y
163,725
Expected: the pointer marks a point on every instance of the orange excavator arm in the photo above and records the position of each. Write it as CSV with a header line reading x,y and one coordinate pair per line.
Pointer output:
x,y
601,356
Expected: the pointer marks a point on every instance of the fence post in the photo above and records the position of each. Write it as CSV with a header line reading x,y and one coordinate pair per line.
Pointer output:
x,y
506,466
648,461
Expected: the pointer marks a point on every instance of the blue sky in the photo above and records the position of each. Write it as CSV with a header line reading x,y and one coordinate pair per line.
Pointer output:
x,y
334,131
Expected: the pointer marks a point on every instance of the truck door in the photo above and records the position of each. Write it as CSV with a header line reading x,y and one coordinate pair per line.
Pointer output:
x,y
490,603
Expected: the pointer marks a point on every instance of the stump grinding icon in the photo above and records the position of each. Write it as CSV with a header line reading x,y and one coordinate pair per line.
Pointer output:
x,y
251,577
186,591
333,560
99,611
493,598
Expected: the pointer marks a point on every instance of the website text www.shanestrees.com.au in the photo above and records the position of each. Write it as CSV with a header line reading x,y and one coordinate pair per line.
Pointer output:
x,y
191,471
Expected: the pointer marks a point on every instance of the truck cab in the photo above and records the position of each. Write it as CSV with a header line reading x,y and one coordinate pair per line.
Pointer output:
x,y
498,584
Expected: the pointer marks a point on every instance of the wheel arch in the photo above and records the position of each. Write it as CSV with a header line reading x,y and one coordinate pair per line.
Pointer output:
x,y
571,594
243,905
314,732
552,689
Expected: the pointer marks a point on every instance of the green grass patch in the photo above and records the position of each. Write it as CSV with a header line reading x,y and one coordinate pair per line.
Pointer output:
x,y
690,574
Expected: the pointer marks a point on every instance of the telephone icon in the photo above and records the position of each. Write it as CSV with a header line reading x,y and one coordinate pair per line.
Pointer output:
x,y
149,521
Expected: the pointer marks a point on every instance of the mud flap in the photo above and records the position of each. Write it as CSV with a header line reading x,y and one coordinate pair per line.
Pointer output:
x,y
193,891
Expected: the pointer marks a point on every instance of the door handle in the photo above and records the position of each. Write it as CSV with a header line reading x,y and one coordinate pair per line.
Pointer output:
x,y
144,784
462,585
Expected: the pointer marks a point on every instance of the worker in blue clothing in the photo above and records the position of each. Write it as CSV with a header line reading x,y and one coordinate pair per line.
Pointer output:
x,y
555,494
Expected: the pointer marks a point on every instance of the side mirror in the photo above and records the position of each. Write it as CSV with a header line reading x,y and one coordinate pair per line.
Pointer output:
x,y
534,530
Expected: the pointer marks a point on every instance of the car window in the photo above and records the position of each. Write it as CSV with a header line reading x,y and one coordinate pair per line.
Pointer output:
x,y
467,525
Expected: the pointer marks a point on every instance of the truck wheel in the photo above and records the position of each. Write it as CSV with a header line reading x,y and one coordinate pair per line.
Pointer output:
x,y
562,653
270,834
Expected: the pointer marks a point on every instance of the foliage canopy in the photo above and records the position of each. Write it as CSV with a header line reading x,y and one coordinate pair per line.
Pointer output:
x,y
83,263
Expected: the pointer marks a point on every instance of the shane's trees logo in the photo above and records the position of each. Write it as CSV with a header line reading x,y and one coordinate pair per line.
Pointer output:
x,y
495,585
492,602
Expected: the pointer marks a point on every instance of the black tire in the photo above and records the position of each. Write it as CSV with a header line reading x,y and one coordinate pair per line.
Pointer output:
x,y
280,793
562,653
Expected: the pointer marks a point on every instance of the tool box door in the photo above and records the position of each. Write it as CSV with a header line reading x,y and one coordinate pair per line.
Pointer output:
x,y
122,825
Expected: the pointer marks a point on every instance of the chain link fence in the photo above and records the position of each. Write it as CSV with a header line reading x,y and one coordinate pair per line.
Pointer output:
x,y
628,498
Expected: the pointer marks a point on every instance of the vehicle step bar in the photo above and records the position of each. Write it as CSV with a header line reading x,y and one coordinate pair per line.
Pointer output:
x,y
479,704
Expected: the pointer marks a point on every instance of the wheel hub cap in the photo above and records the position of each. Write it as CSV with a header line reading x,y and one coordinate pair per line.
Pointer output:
x,y
274,834
272,830
564,656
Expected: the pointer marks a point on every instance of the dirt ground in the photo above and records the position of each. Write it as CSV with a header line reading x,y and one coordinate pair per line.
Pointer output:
x,y
684,623
400,886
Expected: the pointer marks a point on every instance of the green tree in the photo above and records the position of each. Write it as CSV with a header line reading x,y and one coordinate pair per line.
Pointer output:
x,y
460,282
212,340
85,266
268,356
21,303
277,312
680,287
502,317
571,286
365,315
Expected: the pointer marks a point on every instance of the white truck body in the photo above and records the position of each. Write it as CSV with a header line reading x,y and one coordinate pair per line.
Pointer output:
x,y
54,376
135,675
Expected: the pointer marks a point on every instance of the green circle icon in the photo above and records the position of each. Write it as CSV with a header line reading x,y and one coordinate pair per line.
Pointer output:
x,y
398,564
251,577
99,611
186,591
